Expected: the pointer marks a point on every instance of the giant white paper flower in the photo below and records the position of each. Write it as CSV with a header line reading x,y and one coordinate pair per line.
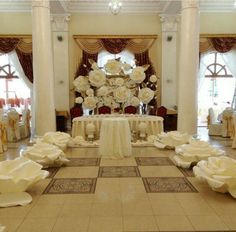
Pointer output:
x,y
79,100
20,174
90,103
90,92
219,173
153,78
59,139
102,91
97,78
121,94
45,154
138,74
81,83
113,66
145,95
173,138
134,101
119,81
193,152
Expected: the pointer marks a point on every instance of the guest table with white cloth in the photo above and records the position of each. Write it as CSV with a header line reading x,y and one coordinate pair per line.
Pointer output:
x,y
115,138
154,123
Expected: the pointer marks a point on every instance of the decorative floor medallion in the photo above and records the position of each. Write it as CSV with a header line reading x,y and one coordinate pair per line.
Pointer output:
x,y
77,162
71,185
119,171
153,161
167,185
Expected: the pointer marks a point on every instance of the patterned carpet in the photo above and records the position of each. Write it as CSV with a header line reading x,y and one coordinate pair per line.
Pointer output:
x,y
167,184
153,184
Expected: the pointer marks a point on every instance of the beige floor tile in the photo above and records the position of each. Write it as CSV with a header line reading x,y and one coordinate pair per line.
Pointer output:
x,y
165,207
207,222
229,221
51,199
132,188
194,204
87,172
129,197
160,171
125,181
105,224
139,223
45,211
72,210
37,225
11,224
130,161
81,223
107,185
84,152
106,197
78,198
174,223
106,209
137,206
15,212
67,172
39,187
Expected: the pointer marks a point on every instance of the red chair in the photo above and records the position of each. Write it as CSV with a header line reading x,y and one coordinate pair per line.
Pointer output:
x,y
161,111
76,111
130,110
104,110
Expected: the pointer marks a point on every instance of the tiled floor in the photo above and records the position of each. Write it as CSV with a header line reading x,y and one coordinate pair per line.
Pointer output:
x,y
145,192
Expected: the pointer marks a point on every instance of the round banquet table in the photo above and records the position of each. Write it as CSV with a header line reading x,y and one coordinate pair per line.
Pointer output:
x,y
115,138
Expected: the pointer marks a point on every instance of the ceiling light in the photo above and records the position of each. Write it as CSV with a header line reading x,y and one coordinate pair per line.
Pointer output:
x,y
115,6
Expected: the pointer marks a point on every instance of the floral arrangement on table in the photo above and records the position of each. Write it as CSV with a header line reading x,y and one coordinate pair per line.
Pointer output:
x,y
115,85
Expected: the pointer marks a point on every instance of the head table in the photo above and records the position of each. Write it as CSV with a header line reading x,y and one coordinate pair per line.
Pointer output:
x,y
154,123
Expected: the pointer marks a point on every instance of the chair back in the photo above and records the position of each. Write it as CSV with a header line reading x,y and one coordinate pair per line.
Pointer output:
x,y
130,110
76,111
161,111
13,129
212,117
104,110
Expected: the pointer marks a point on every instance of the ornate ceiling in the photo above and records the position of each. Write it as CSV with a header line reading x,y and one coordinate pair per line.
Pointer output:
x,y
129,6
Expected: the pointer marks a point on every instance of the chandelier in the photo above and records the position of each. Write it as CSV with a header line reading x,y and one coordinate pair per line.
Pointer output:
x,y
115,6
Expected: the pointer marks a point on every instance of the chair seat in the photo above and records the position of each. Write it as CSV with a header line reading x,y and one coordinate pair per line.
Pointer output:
x,y
215,129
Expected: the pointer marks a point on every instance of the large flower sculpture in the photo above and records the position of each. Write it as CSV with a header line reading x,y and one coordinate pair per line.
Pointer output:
x,y
113,87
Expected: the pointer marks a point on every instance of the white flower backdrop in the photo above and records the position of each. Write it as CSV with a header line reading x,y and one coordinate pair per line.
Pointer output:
x,y
115,85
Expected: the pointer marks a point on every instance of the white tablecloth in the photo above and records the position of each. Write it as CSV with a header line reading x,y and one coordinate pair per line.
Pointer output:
x,y
154,123
115,138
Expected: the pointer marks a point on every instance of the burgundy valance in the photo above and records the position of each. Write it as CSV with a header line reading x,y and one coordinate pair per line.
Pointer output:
x,y
223,44
115,46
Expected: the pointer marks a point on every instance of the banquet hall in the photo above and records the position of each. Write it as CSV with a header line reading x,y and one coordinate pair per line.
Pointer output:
x,y
100,85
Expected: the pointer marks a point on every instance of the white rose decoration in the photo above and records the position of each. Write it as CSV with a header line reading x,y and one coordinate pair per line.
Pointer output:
x,y
126,67
107,101
138,75
102,91
113,66
119,81
121,94
97,78
146,95
81,83
90,103
79,100
134,101
153,78
90,92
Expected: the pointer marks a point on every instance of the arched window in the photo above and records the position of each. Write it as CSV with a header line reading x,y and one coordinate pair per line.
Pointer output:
x,y
12,89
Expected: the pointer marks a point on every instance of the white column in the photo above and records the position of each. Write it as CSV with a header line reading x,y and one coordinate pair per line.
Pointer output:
x,y
169,56
61,61
188,67
44,108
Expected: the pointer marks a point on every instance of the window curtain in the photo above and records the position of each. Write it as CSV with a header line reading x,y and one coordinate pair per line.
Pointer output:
x,y
23,48
115,46
223,44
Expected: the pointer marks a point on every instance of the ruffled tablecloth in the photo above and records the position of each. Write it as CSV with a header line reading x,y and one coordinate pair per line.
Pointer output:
x,y
154,123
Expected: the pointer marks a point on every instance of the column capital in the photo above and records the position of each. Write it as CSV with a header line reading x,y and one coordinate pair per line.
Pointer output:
x,y
60,22
190,4
169,22
40,3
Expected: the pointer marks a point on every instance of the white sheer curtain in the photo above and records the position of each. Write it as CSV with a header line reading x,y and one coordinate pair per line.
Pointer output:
x,y
202,103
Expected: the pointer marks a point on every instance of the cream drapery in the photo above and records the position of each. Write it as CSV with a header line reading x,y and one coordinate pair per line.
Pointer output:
x,y
93,45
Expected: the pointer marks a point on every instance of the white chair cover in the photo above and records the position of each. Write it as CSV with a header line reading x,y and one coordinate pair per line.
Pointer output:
x,y
227,123
3,137
13,130
25,124
214,127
